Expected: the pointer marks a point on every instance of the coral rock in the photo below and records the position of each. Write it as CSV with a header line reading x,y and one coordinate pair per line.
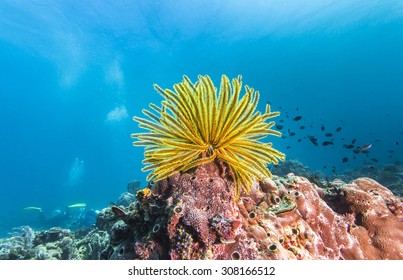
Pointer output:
x,y
54,244
194,215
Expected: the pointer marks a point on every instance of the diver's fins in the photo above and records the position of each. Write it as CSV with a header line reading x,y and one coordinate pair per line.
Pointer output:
x,y
77,205
33,208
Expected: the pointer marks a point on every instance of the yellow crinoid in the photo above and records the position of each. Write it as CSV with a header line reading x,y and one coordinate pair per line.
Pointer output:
x,y
195,125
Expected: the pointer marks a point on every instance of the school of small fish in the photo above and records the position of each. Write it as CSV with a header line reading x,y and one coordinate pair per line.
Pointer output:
x,y
330,138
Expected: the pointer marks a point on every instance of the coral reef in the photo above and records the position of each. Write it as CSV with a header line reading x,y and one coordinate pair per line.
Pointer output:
x,y
133,186
54,244
389,175
125,199
19,244
195,125
193,215
293,166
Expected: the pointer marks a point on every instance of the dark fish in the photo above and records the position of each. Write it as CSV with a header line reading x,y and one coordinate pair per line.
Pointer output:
x,y
322,128
288,147
292,133
397,143
334,169
281,120
353,142
302,127
345,159
297,118
279,126
391,151
327,143
299,140
348,146
338,129
297,109
313,140
374,159
329,134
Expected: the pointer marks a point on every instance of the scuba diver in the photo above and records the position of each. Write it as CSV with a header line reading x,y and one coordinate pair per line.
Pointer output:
x,y
58,217
64,217
86,218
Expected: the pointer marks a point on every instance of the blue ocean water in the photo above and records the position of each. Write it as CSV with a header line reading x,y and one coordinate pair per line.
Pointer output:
x,y
73,74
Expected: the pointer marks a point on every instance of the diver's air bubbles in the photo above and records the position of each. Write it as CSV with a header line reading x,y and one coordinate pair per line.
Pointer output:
x,y
117,114
76,172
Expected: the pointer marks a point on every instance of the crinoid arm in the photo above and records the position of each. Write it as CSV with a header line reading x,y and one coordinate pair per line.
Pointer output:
x,y
196,124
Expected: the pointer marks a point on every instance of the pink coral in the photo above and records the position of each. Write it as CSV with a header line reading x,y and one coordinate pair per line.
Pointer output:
x,y
281,218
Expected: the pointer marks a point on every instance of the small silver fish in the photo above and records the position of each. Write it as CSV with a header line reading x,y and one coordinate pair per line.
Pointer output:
x,y
364,147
